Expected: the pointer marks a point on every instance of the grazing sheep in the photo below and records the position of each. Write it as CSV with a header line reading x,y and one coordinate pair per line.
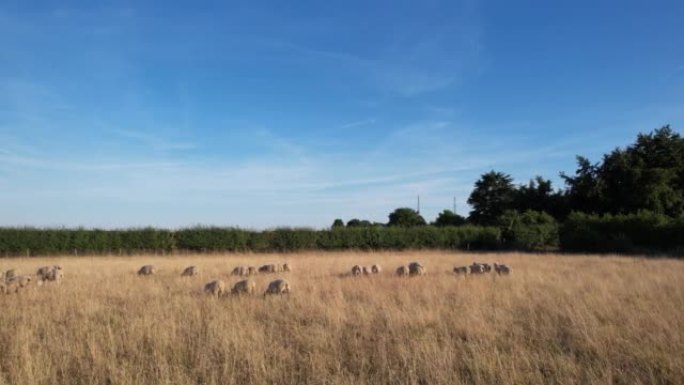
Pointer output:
x,y
477,268
9,274
147,270
403,271
240,270
50,273
375,269
19,281
271,268
365,270
251,270
461,270
190,271
216,288
279,286
286,267
244,287
416,268
487,267
356,270
502,269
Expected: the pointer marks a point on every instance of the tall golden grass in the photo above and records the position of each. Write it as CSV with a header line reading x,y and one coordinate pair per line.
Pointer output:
x,y
555,319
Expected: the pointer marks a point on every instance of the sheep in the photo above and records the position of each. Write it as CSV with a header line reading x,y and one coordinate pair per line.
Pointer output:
x,y
375,269
356,270
487,267
271,268
216,288
477,268
365,270
403,271
240,270
9,274
190,271
17,282
251,270
461,270
416,268
147,270
279,286
244,287
502,269
2,276
3,287
49,273
286,267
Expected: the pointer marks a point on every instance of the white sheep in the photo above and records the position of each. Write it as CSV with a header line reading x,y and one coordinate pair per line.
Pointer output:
x,y
356,270
216,287
375,269
502,269
416,268
402,271
147,270
279,286
190,271
244,287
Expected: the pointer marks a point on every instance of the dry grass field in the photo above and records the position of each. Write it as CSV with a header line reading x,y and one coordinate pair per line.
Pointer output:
x,y
554,320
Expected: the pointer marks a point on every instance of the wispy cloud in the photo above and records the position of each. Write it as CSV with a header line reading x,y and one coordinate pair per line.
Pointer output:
x,y
155,141
358,123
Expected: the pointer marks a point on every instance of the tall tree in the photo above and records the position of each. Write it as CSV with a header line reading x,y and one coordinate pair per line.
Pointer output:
x,y
494,193
406,217
647,175
449,218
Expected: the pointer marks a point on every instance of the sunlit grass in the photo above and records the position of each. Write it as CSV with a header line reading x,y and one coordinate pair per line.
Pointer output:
x,y
555,319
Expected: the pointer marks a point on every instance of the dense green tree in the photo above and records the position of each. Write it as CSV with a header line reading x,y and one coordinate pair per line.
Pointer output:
x,y
494,193
406,217
539,195
449,218
358,223
337,223
647,175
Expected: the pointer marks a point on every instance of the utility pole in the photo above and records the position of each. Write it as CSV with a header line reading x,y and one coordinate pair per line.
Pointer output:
x,y
418,211
454,204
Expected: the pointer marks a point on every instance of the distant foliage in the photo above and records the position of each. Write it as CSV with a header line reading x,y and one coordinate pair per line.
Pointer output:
x,y
449,218
530,230
33,242
406,217
641,232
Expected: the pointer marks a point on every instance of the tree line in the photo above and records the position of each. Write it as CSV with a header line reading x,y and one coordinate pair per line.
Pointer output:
x,y
632,201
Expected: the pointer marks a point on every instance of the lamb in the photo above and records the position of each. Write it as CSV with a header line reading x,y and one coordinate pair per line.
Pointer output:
x,y
416,268
147,270
279,286
403,271
461,270
502,269
216,288
375,269
244,287
190,271
356,270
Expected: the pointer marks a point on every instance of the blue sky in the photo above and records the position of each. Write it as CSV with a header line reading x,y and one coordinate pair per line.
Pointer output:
x,y
265,114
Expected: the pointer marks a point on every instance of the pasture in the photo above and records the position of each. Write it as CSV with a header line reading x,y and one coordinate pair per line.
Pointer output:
x,y
554,319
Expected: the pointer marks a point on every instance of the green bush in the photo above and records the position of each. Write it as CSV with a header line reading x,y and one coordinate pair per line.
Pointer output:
x,y
530,230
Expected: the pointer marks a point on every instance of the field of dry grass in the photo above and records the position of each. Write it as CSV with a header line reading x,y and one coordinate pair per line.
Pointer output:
x,y
555,319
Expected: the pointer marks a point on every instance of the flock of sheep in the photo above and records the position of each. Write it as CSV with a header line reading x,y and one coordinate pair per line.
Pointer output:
x,y
12,283
246,286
